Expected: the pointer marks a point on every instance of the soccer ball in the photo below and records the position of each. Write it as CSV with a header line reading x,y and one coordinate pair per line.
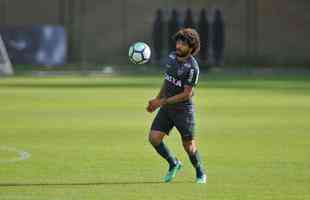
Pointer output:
x,y
139,53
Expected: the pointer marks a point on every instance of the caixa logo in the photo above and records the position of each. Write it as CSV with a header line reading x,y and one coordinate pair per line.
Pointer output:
x,y
173,80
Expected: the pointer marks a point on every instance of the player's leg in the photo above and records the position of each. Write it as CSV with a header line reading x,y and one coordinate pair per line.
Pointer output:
x,y
190,147
161,127
185,123
156,139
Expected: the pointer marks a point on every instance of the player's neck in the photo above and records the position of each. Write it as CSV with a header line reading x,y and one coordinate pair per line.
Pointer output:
x,y
183,59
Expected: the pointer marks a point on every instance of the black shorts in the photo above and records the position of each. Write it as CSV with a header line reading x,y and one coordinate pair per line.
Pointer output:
x,y
183,119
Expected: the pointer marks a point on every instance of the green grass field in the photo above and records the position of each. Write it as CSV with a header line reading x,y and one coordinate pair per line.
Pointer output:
x,y
87,139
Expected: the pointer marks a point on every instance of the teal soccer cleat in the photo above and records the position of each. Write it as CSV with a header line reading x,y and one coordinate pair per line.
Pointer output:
x,y
202,179
173,172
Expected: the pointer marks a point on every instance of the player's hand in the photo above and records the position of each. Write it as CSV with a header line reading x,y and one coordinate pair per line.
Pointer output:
x,y
150,108
153,105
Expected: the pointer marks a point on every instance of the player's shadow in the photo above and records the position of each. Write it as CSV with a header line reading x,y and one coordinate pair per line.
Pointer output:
x,y
87,184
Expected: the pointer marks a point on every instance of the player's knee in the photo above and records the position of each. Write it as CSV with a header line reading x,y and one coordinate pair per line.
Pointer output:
x,y
151,140
154,138
190,146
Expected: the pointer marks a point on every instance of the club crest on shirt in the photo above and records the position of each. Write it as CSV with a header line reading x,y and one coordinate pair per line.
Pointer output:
x,y
172,56
187,65
180,71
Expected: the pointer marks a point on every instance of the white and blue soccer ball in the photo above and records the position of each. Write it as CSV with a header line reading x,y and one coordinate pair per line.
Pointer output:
x,y
139,53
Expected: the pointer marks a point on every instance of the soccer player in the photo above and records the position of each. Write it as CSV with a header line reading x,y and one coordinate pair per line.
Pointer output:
x,y
176,106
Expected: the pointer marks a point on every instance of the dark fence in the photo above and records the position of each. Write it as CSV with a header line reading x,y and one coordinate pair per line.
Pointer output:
x,y
262,32
211,34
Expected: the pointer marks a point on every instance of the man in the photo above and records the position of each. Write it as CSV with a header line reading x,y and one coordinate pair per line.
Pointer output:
x,y
176,106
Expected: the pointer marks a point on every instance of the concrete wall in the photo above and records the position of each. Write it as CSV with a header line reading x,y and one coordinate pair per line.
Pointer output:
x,y
283,31
264,31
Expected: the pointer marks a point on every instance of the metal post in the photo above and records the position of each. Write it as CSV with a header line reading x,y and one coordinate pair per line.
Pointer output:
x,y
251,29
124,23
83,8
61,12
255,29
248,25
4,7
70,24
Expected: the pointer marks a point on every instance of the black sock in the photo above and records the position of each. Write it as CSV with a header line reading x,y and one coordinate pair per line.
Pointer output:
x,y
166,154
195,160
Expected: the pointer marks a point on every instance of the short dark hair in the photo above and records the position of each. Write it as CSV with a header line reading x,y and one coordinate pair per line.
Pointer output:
x,y
192,38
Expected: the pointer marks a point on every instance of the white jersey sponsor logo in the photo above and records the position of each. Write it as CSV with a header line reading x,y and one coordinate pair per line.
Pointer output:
x,y
173,80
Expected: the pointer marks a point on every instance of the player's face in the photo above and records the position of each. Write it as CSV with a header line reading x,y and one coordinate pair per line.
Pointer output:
x,y
182,48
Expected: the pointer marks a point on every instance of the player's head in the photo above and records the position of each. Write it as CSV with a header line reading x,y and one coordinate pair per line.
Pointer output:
x,y
188,37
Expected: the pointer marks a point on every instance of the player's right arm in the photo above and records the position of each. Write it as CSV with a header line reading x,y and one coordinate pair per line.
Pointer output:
x,y
162,91
156,102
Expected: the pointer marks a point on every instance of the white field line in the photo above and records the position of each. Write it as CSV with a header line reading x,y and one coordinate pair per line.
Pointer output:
x,y
21,154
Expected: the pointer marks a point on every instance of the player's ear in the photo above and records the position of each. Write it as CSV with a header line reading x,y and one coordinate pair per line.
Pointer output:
x,y
192,50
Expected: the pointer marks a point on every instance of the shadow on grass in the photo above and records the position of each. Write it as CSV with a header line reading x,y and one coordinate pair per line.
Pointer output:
x,y
87,184
78,86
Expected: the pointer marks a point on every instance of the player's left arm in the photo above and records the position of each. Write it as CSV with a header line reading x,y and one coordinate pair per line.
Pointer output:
x,y
183,96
